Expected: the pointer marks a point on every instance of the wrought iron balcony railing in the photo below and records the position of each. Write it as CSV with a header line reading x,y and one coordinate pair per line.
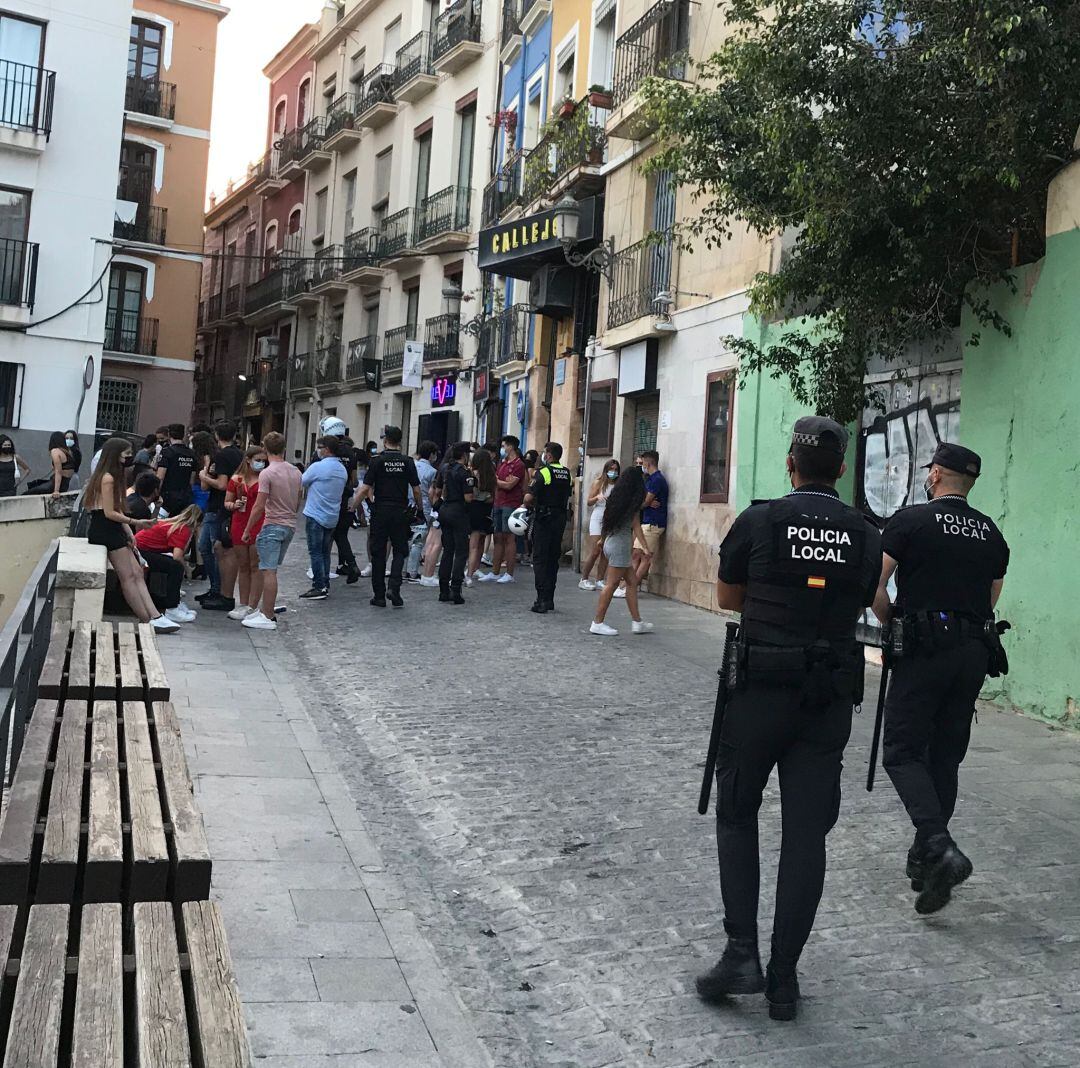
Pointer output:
x,y
130,332
18,272
577,141
654,45
458,23
26,97
288,147
360,351
234,303
395,235
328,365
504,337
394,346
270,289
312,137
360,249
341,114
377,87
511,21
329,263
302,372
135,184
271,384
639,274
298,276
148,226
442,338
150,96
213,308
442,212
504,190
414,58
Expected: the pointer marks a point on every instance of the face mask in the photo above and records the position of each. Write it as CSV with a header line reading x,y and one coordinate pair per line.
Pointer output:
x,y
928,489
69,442
502,453
7,452
613,475
127,461
258,465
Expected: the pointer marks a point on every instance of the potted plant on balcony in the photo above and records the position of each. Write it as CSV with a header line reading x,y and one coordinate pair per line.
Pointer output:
x,y
599,97
564,108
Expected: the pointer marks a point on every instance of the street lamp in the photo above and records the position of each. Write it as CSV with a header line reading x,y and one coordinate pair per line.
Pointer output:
x,y
591,352
601,260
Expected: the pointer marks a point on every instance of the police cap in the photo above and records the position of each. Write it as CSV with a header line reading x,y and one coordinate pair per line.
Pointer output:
x,y
817,432
957,458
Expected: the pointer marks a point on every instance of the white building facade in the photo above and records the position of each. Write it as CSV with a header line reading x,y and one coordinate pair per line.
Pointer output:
x,y
62,86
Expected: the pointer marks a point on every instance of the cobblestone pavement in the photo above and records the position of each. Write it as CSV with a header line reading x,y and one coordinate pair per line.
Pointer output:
x,y
532,791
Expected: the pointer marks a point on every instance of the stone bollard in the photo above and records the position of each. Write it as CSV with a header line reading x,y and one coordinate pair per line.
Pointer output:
x,y
80,582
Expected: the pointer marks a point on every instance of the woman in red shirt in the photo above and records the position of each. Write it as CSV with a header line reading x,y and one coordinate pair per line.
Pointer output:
x,y
239,503
162,547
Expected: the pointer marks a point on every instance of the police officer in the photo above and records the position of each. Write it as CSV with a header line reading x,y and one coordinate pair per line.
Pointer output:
x,y
548,497
950,562
390,477
456,486
800,569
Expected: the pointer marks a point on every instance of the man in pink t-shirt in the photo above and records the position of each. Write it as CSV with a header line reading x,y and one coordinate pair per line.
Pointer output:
x,y
509,496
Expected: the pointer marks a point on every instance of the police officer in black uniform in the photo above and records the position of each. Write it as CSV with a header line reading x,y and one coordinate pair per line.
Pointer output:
x,y
548,497
950,562
456,486
800,569
390,476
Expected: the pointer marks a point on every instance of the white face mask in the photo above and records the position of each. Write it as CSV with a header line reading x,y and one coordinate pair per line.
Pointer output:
x,y
69,442
613,475
258,465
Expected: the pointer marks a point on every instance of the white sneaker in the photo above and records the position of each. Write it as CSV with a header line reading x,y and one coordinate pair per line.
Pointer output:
x,y
365,571
504,580
468,581
621,591
486,576
184,614
586,584
430,582
601,586
642,628
257,621
177,616
485,560
185,607
604,629
333,574
643,587
310,574
241,611
163,625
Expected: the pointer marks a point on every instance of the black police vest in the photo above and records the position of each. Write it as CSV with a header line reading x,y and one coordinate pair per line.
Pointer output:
x,y
814,584
556,486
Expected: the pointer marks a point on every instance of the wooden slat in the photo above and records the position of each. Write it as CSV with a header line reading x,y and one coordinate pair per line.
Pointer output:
x,y
79,666
60,852
105,838
34,1032
52,672
8,915
149,852
98,1035
157,683
190,848
161,1022
218,1017
23,805
131,680
104,663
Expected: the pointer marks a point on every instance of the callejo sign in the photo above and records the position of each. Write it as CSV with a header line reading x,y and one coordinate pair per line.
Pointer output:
x,y
536,233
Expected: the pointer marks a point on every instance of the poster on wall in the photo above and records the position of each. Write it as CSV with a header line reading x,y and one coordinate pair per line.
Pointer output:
x,y
412,368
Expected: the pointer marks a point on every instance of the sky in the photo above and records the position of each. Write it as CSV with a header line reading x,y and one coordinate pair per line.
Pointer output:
x,y
248,38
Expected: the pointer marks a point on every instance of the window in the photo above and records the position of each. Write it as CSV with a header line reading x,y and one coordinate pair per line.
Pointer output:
x,y
602,67
230,265
601,418
270,246
356,71
466,142
144,50
566,61
295,219
391,42
432,9
716,446
14,228
10,393
14,214
251,258
280,116
348,192
412,306
533,119
320,213
371,318
21,41
380,194
137,168
302,104
118,405
329,93
423,167
22,52
124,311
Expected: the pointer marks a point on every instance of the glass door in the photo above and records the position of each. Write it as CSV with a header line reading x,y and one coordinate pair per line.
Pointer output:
x,y
14,229
123,316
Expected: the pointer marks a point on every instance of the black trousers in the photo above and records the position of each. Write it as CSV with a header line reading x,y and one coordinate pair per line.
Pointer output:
x,y
345,554
454,523
388,524
928,716
167,565
547,535
766,727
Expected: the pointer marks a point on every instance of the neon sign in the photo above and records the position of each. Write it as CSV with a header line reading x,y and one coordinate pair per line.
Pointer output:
x,y
443,392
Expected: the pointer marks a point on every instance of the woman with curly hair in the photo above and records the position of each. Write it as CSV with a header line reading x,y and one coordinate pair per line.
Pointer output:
x,y
620,529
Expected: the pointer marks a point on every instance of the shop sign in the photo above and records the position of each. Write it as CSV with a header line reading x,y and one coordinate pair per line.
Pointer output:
x,y
443,392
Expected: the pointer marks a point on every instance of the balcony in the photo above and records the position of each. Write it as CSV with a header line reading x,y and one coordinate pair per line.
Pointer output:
x,y
510,36
394,351
442,343
533,13
328,366
213,310
504,341
288,150
415,78
503,192
271,382
329,264
457,37
377,105
264,301
442,220
233,304
299,278
395,240
362,363
18,279
147,228
302,375
26,106
654,46
311,152
152,100
130,333
341,129
640,273
361,266
567,159
268,181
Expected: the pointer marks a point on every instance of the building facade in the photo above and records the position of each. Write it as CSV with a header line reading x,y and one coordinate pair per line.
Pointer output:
x,y
155,274
61,117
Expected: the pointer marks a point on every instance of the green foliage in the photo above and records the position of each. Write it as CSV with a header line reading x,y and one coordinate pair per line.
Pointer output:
x,y
903,150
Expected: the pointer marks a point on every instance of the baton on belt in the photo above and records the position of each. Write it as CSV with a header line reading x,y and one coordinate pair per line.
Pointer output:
x,y
879,719
718,716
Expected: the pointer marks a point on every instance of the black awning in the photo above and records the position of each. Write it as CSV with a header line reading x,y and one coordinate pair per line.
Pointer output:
x,y
518,249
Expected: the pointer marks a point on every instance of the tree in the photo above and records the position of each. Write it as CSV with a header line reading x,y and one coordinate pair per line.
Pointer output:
x,y
903,149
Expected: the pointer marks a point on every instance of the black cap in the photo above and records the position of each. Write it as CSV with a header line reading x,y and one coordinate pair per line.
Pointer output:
x,y
956,458
817,432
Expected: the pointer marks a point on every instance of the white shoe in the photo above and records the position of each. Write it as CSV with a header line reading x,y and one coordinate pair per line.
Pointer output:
x,y
164,625
365,571
257,621
468,581
604,629
431,582
586,584
485,560
642,628
643,587
486,576
601,586
505,580
185,607
310,574
176,616
241,611
621,591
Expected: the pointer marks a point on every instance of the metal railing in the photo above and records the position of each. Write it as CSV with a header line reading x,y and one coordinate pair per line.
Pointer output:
x,y
442,338
414,58
213,308
268,290
377,87
443,211
511,21
329,263
328,365
457,24
654,45
298,276
360,351
504,190
341,114
504,337
312,137
639,274
24,642
395,235
18,272
266,168
26,97
360,249
234,304
201,320
302,374
130,332
577,141
272,382
287,148
148,226
150,96
394,346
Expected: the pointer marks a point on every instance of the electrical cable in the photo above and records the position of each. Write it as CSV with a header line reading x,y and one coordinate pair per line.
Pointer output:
x,y
23,327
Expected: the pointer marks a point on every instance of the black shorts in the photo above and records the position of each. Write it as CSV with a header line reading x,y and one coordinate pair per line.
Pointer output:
x,y
106,532
480,517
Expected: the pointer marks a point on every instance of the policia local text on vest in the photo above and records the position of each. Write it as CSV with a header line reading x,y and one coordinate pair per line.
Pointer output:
x,y
549,498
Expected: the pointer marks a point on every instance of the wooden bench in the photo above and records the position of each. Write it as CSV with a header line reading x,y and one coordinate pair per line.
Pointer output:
x,y
104,987
101,805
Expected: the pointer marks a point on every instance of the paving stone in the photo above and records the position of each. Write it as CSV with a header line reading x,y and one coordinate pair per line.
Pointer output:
x,y
336,1028
284,979
340,906
360,979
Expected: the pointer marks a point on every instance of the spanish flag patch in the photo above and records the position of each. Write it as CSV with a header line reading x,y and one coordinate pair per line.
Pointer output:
x,y
815,582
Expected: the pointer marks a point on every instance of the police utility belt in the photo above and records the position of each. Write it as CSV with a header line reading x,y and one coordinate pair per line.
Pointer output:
x,y
546,511
823,671
933,632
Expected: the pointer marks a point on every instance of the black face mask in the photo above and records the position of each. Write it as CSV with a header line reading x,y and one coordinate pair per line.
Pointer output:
x,y
127,461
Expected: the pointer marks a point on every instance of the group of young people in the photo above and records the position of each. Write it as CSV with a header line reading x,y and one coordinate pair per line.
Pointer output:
x,y
65,460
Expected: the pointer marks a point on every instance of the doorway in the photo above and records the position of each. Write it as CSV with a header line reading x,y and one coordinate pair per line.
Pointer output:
x,y
443,428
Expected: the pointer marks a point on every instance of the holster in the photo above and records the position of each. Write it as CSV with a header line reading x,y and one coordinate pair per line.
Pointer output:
x,y
820,671
998,663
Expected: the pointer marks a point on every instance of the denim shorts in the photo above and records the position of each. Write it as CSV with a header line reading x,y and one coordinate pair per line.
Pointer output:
x,y
499,519
272,542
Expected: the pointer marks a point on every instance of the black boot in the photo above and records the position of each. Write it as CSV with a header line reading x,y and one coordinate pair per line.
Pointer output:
x,y
782,991
378,602
943,868
353,574
444,594
738,971
395,599
539,607
457,598
916,860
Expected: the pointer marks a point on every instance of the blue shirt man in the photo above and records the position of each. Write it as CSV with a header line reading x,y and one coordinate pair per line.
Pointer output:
x,y
324,483
653,513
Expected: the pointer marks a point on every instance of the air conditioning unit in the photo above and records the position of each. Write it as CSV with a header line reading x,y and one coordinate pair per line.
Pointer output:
x,y
551,292
266,348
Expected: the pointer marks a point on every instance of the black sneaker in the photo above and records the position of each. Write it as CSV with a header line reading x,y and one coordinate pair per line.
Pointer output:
x,y
217,603
314,595
540,608
782,992
378,602
395,600
352,575
456,597
738,971
444,595
916,862
342,569
944,868
200,597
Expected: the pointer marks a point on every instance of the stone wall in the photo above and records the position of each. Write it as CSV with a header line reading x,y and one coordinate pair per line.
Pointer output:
x,y
27,525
